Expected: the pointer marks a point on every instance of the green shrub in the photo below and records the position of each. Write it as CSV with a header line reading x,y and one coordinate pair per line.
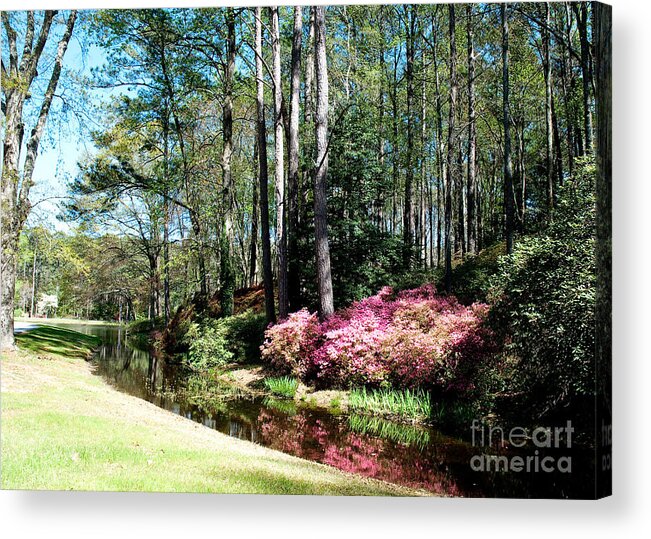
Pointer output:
x,y
215,342
208,345
283,386
471,278
544,301
245,334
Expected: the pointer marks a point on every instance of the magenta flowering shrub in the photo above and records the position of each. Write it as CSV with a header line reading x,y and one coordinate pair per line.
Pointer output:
x,y
287,344
414,338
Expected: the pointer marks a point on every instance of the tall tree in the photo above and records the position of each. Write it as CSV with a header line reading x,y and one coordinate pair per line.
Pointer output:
x,y
472,138
253,247
439,137
17,81
408,208
506,121
293,273
263,174
549,126
309,73
324,276
581,12
451,147
227,274
279,167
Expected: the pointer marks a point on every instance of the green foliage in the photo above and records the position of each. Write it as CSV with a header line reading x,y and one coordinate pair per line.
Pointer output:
x,y
245,334
216,342
471,278
208,393
283,386
544,300
208,345
363,256
415,405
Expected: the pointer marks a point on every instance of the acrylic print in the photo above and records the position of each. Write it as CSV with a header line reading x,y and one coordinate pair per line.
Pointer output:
x,y
334,250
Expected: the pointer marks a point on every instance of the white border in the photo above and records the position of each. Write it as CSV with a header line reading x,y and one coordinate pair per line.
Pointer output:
x,y
626,514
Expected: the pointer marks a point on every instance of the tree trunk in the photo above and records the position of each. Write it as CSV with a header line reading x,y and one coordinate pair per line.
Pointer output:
x,y
450,149
581,12
461,201
309,73
324,276
508,172
293,270
566,85
263,175
33,302
472,140
154,288
165,120
439,143
227,273
394,146
547,67
279,160
14,202
408,209
253,247
425,191
166,261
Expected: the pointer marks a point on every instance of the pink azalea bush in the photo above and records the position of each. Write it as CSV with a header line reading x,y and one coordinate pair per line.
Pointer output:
x,y
414,338
289,343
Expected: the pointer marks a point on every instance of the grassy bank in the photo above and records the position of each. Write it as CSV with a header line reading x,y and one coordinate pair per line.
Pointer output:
x,y
65,321
64,428
57,341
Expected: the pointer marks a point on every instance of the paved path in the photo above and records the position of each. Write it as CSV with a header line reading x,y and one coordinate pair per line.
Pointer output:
x,y
20,327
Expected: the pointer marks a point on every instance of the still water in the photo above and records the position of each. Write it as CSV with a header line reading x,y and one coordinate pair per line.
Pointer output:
x,y
417,457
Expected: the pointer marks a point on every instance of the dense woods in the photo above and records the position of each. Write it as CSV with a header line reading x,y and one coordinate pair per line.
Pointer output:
x,y
413,153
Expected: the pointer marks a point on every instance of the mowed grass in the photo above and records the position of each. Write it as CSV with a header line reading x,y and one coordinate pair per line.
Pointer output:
x,y
71,321
58,341
64,428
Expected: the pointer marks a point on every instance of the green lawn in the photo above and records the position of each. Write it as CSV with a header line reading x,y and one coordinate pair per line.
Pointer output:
x,y
65,321
56,340
64,428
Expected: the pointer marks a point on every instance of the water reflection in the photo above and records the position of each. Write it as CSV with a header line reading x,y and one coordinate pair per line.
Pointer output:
x,y
407,455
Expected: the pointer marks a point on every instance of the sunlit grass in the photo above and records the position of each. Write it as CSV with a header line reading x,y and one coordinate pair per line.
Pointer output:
x,y
284,386
65,321
57,340
64,428
404,403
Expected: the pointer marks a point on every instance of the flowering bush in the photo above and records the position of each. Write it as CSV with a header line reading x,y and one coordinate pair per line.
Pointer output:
x,y
414,338
287,344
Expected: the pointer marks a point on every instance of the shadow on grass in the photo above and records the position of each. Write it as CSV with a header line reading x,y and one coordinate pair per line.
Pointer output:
x,y
56,340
